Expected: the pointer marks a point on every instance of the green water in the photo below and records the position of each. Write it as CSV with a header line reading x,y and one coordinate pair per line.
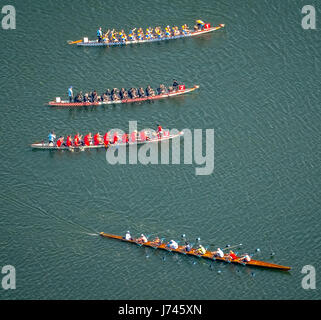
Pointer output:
x,y
259,90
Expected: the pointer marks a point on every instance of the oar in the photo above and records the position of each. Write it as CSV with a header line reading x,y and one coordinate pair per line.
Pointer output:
x,y
73,42
229,247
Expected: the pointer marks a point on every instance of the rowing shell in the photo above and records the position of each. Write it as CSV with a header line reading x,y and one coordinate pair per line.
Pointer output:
x,y
95,43
208,255
46,146
66,103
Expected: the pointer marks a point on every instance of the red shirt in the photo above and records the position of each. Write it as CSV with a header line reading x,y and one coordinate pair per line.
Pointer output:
x,y
142,135
76,140
159,128
115,138
69,141
87,140
59,142
133,137
233,256
96,139
106,138
125,138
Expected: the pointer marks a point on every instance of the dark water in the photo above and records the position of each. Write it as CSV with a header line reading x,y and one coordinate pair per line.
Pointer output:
x,y
260,91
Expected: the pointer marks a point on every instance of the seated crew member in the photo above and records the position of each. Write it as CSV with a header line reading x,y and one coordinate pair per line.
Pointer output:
x,y
172,244
142,239
219,253
200,24
201,250
232,255
142,135
99,34
77,140
51,138
159,131
106,139
157,241
69,141
175,84
125,138
87,139
115,138
188,247
97,139
133,136
246,258
60,142
128,237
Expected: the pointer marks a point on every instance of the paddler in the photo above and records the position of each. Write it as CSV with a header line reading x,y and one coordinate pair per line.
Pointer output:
x,y
142,239
200,24
69,141
188,247
87,139
77,140
97,139
131,34
133,136
232,255
115,138
175,84
246,258
201,250
60,141
142,136
128,237
70,94
99,34
106,139
172,244
219,253
125,138
160,131
51,138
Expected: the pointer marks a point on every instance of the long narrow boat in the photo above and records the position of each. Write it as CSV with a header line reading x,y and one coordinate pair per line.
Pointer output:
x,y
65,103
167,136
208,255
94,43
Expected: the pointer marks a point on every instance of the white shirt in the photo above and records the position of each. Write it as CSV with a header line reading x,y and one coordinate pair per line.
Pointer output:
x,y
173,245
128,236
220,253
144,239
247,258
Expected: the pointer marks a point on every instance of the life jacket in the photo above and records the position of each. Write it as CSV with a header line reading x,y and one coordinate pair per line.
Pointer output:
x,y
76,140
106,138
133,137
125,138
96,139
159,129
115,138
142,136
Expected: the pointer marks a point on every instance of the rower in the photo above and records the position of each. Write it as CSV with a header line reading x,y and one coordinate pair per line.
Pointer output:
x,y
69,141
87,139
51,138
106,139
133,136
115,138
142,135
246,258
172,244
70,94
200,24
99,34
77,140
128,237
142,239
97,139
175,84
125,138
219,253
60,141
188,247
232,255
159,131
201,250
